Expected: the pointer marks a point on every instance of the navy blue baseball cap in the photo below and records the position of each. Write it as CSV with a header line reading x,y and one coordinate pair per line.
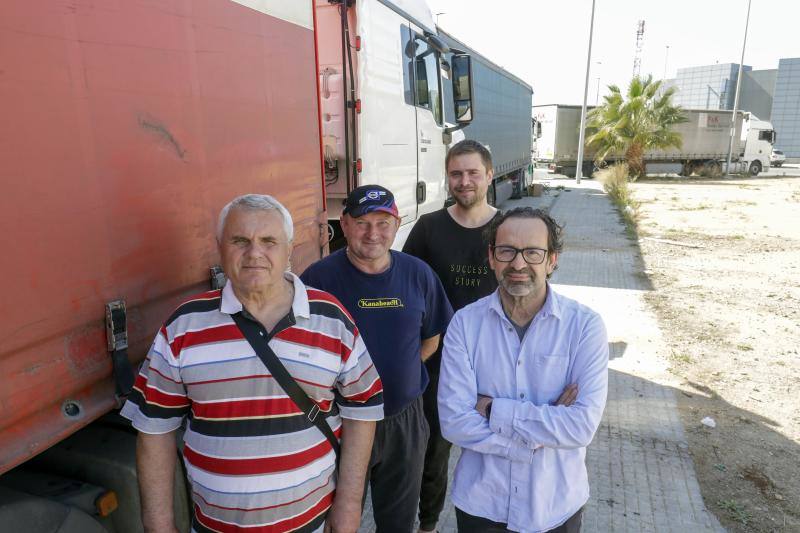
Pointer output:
x,y
369,198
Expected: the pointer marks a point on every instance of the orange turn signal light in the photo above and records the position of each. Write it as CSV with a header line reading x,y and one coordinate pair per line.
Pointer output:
x,y
106,503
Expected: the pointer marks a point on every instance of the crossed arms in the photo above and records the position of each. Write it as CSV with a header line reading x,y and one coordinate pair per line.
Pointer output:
x,y
516,428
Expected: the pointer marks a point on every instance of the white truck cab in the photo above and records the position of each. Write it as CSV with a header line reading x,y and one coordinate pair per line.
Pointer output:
x,y
758,136
381,102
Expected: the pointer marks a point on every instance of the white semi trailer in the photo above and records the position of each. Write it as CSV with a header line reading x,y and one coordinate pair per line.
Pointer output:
x,y
705,134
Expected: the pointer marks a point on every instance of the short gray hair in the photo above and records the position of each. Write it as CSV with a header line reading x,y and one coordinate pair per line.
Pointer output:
x,y
257,202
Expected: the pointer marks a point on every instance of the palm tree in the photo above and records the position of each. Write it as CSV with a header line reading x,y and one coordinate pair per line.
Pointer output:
x,y
639,121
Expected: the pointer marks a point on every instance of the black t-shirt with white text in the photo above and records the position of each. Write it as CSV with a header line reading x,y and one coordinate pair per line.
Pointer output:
x,y
458,255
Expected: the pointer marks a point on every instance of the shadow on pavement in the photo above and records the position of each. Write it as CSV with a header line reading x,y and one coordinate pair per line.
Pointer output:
x,y
642,473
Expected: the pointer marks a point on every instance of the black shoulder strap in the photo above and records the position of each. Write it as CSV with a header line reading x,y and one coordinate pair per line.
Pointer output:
x,y
255,337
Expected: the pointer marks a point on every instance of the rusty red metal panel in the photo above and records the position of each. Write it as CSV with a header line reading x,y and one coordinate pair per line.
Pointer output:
x,y
126,126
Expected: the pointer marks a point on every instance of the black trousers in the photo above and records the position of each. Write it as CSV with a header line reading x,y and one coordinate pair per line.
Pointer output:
x,y
468,523
437,458
395,470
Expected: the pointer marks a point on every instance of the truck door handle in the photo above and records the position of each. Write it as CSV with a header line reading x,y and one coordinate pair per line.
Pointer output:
x,y
421,192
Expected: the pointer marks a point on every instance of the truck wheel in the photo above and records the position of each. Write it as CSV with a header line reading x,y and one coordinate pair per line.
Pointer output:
x,y
491,198
755,168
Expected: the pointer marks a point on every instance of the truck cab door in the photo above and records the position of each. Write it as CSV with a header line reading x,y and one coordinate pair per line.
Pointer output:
x,y
431,149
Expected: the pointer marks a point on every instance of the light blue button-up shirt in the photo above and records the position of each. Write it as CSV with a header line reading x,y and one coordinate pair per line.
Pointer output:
x,y
526,465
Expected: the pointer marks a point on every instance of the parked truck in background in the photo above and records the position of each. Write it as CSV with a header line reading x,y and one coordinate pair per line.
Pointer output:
x,y
502,121
705,134
126,127
383,70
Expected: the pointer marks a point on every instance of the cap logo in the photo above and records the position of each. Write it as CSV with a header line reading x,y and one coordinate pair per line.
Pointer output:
x,y
372,195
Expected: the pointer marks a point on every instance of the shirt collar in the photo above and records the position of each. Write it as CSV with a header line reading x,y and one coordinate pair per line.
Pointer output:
x,y
231,305
551,305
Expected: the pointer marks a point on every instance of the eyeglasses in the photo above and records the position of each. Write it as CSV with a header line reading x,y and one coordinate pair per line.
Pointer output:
x,y
507,254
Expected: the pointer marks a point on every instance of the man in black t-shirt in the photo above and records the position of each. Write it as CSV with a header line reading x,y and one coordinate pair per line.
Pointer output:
x,y
451,241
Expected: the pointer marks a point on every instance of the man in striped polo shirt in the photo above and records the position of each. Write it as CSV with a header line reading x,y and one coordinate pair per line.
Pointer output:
x,y
253,458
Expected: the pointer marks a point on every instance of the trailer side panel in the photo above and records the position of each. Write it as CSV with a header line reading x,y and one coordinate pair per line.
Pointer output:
x,y
126,127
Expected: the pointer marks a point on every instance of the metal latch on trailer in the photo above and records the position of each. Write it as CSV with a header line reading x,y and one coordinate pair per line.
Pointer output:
x,y
117,339
218,278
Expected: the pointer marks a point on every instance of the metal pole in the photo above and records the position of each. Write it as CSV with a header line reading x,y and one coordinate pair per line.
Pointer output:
x,y
597,94
738,86
666,57
581,135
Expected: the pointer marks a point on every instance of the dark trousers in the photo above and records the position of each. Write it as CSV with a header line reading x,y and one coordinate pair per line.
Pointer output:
x,y
395,471
437,457
468,523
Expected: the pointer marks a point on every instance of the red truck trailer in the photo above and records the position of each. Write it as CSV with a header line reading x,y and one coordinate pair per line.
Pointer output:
x,y
126,126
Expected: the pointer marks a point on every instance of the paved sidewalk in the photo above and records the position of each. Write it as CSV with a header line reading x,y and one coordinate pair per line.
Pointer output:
x,y
642,477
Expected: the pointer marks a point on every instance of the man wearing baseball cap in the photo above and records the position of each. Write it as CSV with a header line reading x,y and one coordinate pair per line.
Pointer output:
x,y
401,310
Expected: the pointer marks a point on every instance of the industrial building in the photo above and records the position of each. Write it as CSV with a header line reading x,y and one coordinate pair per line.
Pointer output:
x,y
770,94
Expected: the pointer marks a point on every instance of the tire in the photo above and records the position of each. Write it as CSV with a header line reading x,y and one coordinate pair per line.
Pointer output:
x,y
711,169
491,197
517,193
755,168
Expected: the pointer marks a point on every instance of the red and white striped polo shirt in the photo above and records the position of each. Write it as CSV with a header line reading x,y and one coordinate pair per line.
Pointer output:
x,y
253,459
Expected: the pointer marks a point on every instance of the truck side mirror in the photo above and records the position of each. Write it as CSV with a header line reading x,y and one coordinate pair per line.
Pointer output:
x,y
461,65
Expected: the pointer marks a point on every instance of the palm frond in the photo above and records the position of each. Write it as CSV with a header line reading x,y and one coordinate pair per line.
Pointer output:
x,y
641,118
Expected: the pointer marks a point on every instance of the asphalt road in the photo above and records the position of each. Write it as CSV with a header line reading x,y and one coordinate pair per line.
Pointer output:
x,y
785,170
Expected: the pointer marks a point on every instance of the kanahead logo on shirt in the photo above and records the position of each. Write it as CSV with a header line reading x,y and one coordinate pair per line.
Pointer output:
x,y
379,303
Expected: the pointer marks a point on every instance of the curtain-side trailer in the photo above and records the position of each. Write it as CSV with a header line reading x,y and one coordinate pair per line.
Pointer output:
x,y
126,127
705,135
502,121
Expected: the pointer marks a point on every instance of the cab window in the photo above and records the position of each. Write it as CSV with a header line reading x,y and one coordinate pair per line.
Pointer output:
x,y
427,93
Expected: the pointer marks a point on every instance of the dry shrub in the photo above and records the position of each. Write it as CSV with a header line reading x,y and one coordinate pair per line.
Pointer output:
x,y
615,180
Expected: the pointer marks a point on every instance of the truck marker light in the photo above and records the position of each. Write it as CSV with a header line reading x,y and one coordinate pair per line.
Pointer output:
x,y
358,43
358,105
106,503
359,165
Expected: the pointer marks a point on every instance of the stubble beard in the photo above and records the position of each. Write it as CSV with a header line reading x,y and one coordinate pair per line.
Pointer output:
x,y
517,288
469,203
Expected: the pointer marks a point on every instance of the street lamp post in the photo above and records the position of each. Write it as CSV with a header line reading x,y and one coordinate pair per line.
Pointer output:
x,y
666,57
597,94
739,77
582,133
437,16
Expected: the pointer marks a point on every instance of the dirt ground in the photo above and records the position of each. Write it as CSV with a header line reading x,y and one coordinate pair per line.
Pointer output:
x,y
724,258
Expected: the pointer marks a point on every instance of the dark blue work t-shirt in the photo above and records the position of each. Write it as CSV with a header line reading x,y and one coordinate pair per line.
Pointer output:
x,y
394,311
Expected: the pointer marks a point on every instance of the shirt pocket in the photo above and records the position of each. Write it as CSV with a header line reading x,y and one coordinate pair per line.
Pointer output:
x,y
551,377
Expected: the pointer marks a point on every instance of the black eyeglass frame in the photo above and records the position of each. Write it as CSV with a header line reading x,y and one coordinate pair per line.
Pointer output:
x,y
518,251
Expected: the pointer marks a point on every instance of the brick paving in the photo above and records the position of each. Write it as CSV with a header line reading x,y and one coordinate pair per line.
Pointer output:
x,y
641,475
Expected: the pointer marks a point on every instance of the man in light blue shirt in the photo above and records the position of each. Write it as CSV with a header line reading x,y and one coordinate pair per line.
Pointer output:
x,y
506,360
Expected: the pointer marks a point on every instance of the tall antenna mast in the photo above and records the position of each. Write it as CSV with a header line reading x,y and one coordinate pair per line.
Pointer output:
x,y
637,58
